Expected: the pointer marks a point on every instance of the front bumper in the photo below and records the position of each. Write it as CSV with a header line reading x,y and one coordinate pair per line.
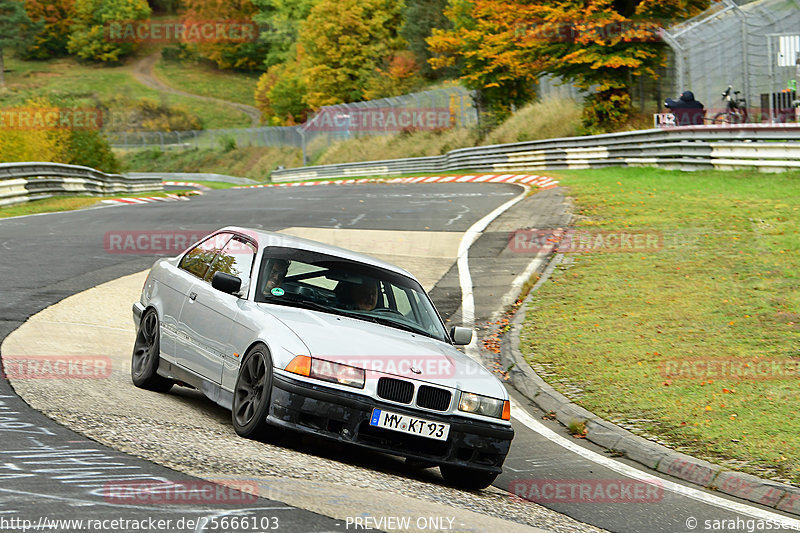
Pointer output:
x,y
343,416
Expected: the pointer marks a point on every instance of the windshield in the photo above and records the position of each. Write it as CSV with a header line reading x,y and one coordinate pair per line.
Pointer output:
x,y
322,282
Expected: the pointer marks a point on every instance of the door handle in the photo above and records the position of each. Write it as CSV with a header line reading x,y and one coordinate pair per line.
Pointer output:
x,y
193,296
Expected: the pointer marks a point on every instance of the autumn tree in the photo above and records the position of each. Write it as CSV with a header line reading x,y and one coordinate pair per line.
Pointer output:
x,y
280,95
344,43
227,51
605,45
401,75
486,46
57,144
602,45
89,38
20,144
90,149
55,17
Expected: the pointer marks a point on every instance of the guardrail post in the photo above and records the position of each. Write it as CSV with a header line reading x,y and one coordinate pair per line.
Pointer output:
x,y
303,144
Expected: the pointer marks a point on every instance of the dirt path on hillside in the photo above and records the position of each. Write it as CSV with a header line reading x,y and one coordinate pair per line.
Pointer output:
x,y
143,73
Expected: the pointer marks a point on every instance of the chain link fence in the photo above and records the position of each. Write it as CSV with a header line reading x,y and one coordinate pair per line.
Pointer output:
x,y
438,109
751,46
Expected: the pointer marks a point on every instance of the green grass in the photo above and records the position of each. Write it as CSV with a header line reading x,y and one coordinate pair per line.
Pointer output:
x,y
253,163
548,119
414,144
88,84
206,80
67,203
725,285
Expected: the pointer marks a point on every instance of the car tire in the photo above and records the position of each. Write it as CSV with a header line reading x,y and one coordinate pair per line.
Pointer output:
x,y
252,392
466,478
146,350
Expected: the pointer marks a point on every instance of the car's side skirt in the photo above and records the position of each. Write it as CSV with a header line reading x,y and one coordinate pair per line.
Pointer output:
x,y
213,391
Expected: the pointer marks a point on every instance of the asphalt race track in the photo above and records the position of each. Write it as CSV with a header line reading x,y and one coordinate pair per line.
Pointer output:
x,y
50,257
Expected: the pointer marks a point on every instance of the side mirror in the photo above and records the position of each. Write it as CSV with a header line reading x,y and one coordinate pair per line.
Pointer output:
x,y
461,336
226,283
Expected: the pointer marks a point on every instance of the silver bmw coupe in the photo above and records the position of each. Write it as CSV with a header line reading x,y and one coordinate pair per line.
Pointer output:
x,y
291,333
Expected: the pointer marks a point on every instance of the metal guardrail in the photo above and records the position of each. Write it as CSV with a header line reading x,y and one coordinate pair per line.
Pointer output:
x,y
193,176
765,147
22,182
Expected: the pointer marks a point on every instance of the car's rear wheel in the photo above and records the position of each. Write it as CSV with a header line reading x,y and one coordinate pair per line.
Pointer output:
x,y
146,349
252,392
466,478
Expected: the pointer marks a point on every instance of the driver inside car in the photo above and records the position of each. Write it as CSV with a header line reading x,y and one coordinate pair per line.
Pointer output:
x,y
364,296
277,273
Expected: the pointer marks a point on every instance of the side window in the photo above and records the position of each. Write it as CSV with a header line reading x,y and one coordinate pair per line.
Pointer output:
x,y
198,260
235,259
401,300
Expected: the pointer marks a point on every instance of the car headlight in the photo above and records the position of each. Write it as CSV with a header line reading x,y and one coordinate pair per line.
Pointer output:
x,y
327,371
484,405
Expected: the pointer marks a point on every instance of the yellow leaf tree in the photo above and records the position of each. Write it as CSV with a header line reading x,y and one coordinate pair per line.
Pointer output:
x,y
344,44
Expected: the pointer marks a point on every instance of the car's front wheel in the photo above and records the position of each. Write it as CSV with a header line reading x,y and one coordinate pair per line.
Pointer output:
x,y
252,392
144,361
466,478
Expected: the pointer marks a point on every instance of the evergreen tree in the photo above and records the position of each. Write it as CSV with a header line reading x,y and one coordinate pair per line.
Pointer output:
x,y
280,21
16,29
420,18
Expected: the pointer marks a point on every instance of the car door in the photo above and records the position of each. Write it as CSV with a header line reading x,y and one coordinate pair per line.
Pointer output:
x,y
176,282
208,315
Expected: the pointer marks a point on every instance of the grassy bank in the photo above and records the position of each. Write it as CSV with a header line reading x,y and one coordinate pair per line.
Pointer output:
x,y
66,203
113,87
206,80
635,337
253,163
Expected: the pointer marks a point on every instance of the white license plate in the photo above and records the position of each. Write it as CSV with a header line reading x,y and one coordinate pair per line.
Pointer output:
x,y
409,424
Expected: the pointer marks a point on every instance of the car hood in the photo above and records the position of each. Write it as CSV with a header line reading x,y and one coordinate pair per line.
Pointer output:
x,y
385,350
